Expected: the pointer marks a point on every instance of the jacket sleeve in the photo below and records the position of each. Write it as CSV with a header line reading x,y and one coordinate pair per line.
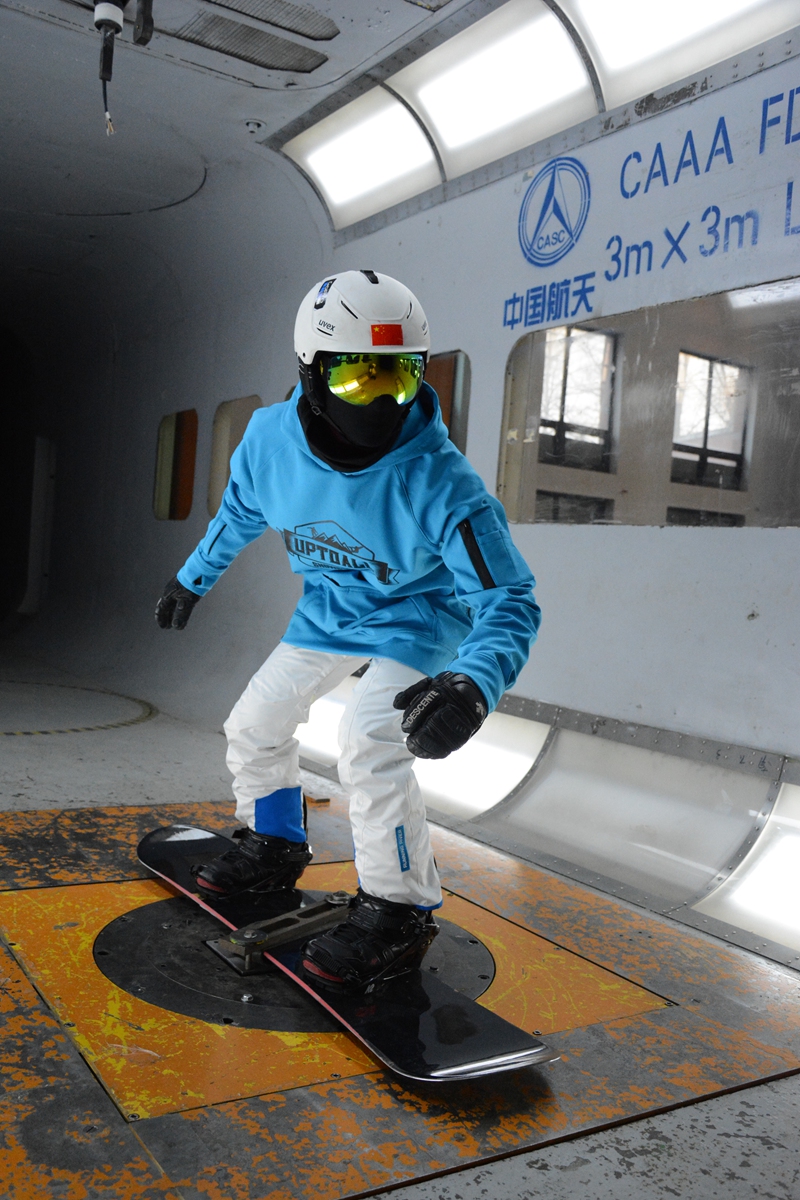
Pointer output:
x,y
238,522
491,577
469,529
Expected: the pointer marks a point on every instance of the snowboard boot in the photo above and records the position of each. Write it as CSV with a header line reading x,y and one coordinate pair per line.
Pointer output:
x,y
379,939
259,862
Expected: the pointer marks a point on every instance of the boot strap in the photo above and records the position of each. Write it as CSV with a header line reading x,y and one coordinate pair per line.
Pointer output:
x,y
388,921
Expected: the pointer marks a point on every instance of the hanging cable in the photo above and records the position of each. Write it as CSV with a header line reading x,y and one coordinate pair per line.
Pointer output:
x,y
108,19
109,126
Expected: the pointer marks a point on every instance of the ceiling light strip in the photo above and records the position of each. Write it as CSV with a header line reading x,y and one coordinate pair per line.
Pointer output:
x,y
509,80
580,46
428,136
367,156
740,66
450,25
467,17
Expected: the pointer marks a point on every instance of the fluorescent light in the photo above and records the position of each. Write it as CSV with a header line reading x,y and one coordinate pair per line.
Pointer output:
x,y
525,71
371,154
513,79
638,47
762,895
659,823
365,157
485,770
629,32
772,888
507,81
769,293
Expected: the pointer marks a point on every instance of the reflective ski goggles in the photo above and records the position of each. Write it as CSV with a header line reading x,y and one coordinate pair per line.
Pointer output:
x,y
362,378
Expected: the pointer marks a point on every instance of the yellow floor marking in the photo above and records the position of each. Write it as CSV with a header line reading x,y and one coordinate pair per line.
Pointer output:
x,y
154,1061
151,1060
539,985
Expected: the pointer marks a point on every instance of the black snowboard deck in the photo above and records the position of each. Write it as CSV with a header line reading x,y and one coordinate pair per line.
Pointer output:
x,y
416,1025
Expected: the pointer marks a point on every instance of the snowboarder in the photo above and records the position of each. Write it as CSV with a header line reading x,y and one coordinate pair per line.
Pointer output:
x,y
408,565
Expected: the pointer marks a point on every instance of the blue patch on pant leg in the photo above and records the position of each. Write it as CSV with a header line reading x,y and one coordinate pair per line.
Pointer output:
x,y
280,814
402,849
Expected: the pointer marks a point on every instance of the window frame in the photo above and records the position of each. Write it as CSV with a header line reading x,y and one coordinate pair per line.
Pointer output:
x,y
231,418
606,504
707,518
454,372
176,460
560,428
704,454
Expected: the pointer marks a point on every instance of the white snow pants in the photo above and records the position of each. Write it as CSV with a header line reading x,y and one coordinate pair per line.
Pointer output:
x,y
393,854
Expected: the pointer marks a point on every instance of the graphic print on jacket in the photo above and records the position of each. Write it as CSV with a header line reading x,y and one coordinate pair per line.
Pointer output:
x,y
326,544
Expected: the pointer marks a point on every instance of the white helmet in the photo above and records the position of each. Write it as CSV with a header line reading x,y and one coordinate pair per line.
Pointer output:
x,y
357,311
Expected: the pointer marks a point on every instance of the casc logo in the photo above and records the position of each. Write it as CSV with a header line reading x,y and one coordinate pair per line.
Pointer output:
x,y
554,211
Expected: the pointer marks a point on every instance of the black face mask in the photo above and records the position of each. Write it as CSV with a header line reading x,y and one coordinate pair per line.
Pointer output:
x,y
368,425
346,443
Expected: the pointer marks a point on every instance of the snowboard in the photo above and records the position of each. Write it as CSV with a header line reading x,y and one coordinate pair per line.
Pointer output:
x,y
415,1024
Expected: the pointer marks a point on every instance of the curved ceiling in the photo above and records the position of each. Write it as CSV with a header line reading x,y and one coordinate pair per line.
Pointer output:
x,y
526,71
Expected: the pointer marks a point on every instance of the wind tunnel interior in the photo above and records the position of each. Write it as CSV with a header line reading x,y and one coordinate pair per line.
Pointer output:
x,y
145,274
595,837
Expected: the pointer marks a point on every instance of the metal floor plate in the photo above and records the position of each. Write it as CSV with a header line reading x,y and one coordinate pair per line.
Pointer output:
x,y
646,1016
160,953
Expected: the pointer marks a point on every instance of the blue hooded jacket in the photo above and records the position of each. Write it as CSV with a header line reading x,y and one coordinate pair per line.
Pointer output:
x,y
408,559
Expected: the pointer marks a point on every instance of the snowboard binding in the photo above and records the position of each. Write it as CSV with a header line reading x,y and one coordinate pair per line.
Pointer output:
x,y
380,940
258,863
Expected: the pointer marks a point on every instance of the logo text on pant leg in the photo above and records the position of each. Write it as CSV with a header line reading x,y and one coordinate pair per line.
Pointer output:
x,y
402,849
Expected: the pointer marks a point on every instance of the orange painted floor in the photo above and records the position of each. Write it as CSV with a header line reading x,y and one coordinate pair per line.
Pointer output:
x,y
152,1061
109,1096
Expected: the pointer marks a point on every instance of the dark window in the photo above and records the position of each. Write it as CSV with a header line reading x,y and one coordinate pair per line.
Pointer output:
x,y
174,483
574,425
564,509
449,376
698,516
710,423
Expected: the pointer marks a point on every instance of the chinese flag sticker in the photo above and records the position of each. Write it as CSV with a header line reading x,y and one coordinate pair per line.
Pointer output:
x,y
387,335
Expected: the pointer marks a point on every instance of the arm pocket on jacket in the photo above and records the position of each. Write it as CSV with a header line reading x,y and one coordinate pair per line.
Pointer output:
x,y
498,558
491,551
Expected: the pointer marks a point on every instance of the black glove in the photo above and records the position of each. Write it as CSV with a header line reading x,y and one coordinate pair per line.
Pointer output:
x,y
175,606
441,714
